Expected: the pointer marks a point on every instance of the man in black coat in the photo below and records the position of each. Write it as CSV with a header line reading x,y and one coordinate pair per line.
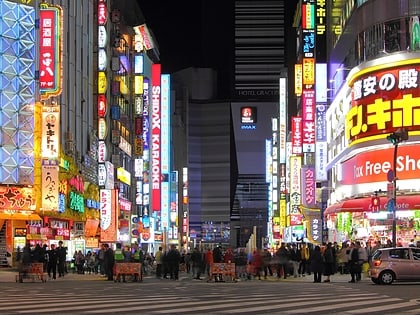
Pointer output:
x,y
109,262
197,263
173,257
52,262
61,258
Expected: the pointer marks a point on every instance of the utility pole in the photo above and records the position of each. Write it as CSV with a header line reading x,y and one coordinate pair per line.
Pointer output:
x,y
400,135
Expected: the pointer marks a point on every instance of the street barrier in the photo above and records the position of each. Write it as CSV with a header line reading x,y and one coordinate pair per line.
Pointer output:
x,y
225,270
33,271
128,269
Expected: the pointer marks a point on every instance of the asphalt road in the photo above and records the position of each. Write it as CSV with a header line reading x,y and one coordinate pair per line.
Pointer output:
x,y
92,294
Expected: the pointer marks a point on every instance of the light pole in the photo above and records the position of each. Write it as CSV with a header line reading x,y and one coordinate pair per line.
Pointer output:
x,y
400,135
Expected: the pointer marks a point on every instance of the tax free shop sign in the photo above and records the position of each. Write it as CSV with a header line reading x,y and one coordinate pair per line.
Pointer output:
x,y
373,166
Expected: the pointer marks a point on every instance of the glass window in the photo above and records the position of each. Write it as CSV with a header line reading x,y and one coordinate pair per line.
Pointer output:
x,y
401,253
416,253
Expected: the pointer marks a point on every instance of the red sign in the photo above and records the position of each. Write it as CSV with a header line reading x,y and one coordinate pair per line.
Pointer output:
x,y
102,105
16,198
155,141
102,13
50,51
373,166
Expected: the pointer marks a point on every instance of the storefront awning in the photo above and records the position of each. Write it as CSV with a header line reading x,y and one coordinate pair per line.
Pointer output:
x,y
20,216
405,202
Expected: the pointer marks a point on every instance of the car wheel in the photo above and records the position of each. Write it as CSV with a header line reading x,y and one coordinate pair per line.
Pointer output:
x,y
375,280
386,277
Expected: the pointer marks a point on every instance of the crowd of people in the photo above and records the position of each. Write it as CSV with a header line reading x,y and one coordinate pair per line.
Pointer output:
x,y
289,260
53,259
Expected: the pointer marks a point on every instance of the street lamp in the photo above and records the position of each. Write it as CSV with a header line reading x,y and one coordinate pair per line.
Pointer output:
x,y
400,135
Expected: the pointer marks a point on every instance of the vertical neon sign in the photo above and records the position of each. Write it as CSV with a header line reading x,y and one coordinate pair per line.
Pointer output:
x,y
50,50
156,138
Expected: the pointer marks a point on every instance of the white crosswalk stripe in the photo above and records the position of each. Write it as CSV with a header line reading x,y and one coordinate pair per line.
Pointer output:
x,y
310,301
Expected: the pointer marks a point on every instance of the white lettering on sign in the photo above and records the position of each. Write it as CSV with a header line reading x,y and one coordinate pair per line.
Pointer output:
x,y
404,164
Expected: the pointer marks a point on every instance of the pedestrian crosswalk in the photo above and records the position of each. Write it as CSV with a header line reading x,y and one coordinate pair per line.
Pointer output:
x,y
309,300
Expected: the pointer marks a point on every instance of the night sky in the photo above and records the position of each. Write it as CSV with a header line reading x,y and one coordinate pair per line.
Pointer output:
x,y
176,28
199,33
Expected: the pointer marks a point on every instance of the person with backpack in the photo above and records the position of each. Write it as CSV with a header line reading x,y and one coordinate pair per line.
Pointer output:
x,y
354,264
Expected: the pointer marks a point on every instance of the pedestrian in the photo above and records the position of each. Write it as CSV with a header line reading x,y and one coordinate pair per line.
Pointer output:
x,y
355,268
218,258
174,259
197,263
79,261
317,264
267,263
257,263
295,257
304,259
52,262
37,254
61,258
158,260
209,261
109,262
101,257
329,262
282,259
187,261
240,264
363,260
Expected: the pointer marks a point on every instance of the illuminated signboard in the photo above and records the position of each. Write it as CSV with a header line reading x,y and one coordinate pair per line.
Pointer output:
x,y
102,13
308,43
298,79
146,39
282,119
102,129
50,185
295,184
138,64
382,101
102,59
102,82
308,186
50,143
296,135
165,147
102,105
156,138
108,215
248,115
308,71
373,166
102,36
50,50
321,30
17,198
138,84
308,14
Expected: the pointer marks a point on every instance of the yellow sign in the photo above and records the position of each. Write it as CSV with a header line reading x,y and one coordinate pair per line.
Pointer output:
x,y
308,69
102,82
298,79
